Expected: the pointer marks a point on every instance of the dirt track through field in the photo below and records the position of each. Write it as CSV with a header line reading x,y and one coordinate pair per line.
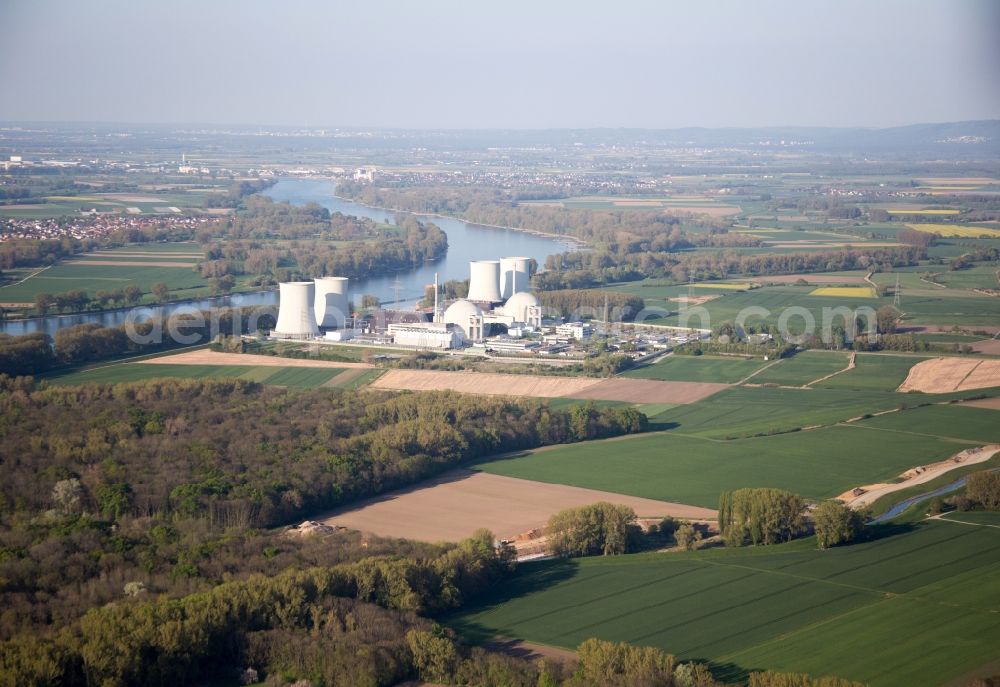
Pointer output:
x,y
485,383
914,476
203,357
454,505
943,375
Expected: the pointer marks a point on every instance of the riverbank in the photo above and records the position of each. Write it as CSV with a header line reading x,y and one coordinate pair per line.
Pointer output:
x,y
571,241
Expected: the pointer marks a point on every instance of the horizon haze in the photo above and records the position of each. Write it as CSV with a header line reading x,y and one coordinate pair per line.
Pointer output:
x,y
449,65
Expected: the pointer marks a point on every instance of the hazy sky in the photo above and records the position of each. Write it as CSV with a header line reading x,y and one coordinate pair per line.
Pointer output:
x,y
506,63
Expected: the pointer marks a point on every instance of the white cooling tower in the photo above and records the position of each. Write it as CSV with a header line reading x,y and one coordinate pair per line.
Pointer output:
x,y
515,276
296,315
331,302
484,281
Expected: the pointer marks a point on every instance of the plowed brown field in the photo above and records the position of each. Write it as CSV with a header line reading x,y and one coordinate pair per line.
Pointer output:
x,y
454,505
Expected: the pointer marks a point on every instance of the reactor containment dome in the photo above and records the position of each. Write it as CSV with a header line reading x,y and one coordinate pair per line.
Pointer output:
x,y
332,308
515,276
296,310
468,317
484,281
523,307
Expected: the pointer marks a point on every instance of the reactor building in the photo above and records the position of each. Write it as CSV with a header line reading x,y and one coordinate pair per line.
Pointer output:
x,y
499,297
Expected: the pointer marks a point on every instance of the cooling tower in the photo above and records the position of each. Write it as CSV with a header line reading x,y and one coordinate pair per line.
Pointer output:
x,y
331,302
296,315
484,281
515,276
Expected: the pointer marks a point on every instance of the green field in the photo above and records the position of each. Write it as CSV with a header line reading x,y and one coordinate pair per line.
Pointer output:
x,y
917,608
702,368
93,278
744,411
802,368
928,305
948,421
990,518
874,372
817,464
298,377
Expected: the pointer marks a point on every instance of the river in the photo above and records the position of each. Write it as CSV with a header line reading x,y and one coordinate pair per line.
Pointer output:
x,y
466,242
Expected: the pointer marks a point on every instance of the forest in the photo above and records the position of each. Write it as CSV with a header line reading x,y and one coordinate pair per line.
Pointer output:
x,y
149,479
140,541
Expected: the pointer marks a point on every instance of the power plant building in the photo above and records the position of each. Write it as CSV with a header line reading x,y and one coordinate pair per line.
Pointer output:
x,y
468,317
484,281
515,276
296,310
427,334
524,307
331,304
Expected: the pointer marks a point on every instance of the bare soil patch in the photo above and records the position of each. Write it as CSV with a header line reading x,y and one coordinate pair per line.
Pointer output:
x,y
205,357
529,650
696,300
649,391
991,403
484,383
457,503
942,375
868,494
989,346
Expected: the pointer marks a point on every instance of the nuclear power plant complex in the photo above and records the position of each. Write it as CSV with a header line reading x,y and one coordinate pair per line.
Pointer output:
x,y
498,308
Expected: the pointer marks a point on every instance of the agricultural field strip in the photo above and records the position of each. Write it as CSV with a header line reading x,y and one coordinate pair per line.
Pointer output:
x,y
857,423
918,593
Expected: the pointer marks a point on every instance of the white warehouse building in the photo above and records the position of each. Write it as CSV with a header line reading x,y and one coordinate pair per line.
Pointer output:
x,y
296,310
427,334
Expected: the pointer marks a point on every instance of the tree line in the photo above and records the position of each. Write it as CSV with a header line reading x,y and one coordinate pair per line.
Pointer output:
x,y
32,354
764,516
582,270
